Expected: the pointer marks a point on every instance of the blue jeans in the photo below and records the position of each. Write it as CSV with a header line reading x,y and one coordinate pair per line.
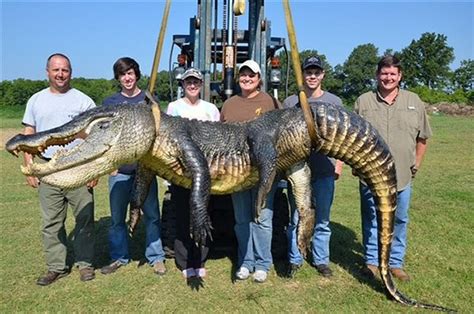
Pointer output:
x,y
322,198
369,227
120,188
254,240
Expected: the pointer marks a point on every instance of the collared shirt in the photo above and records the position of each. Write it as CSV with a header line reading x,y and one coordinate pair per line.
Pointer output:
x,y
399,124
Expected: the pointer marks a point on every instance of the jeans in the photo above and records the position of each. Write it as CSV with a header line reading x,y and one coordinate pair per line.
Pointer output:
x,y
120,188
323,195
54,202
369,227
254,240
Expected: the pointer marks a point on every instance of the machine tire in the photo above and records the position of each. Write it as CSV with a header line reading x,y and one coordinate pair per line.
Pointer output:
x,y
222,216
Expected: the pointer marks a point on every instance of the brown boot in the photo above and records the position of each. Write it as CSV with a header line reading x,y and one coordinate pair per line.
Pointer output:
x,y
400,274
50,277
371,272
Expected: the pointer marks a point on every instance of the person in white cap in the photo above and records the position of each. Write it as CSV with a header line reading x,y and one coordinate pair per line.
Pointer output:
x,y
253,239
189,258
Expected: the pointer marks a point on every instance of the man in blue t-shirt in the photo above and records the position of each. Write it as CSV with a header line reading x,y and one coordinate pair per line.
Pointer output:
x,y
127,72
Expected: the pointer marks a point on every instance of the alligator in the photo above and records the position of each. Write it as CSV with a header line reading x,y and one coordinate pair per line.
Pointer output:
x,y
221,158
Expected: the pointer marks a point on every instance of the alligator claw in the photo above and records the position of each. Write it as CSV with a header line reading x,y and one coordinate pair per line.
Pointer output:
x,y
135,215
200,233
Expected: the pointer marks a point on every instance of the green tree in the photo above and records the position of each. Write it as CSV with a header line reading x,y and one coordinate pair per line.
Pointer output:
x,y
464,76
18,91
358,72
426,61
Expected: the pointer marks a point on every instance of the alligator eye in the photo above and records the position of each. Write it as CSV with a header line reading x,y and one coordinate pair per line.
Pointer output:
x,y
104,125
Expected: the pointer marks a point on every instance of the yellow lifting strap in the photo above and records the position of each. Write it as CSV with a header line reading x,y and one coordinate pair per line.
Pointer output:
x,y
295,58
159,46
239,7
155,109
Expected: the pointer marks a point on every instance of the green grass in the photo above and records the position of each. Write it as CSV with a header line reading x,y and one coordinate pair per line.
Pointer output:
x,y
440,252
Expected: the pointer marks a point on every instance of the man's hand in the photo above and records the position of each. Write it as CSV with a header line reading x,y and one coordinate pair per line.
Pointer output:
x,y
414,170
338,169
92,184
32,181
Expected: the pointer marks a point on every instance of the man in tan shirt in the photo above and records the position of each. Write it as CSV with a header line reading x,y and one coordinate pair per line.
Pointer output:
x,y
400,118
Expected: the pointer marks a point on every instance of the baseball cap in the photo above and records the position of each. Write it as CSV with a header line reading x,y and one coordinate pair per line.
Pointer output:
x,y
192,72
313,61
252,65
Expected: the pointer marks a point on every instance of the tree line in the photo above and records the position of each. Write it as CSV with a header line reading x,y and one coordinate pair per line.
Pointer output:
x,y
425,64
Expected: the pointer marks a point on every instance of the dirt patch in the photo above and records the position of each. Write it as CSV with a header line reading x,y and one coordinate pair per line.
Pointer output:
x,y
450,109
6,134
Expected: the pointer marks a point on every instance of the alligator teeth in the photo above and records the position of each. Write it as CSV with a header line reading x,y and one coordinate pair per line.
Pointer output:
x,y
26,170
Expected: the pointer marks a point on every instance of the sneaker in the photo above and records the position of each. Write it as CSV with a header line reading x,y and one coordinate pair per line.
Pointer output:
x,y
201,272
189,273
243,273
260,276
324,270
400,274
111,268
371,272
159,268
292,269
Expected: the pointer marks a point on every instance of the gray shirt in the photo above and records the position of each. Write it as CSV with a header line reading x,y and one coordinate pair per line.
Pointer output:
x,y
399,124
320,164
46,110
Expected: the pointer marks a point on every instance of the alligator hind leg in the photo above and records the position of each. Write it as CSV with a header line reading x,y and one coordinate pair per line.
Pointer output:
x,y
299,176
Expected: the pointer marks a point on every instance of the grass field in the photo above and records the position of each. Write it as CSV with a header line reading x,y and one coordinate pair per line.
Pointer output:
x,y
440,254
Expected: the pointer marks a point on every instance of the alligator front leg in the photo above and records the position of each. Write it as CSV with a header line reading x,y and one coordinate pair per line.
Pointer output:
x,y
140,189
196,166
299,176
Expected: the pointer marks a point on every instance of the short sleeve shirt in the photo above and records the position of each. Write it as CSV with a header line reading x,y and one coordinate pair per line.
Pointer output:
x,y
399,124
117,99
239,109
202,110
46,110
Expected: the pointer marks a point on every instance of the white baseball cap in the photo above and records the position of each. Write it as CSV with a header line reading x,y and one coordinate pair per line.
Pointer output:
x,y
252,65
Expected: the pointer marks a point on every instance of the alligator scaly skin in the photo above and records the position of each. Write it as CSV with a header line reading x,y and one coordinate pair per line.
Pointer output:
x,y
212,157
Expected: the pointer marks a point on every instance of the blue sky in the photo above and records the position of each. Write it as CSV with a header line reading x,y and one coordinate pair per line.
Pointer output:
x,y
95,33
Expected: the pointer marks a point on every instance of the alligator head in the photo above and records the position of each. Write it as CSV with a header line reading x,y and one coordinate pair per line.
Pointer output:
x,y
107,138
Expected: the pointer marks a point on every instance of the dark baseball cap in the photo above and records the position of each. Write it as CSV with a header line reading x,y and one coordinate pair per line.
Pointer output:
x,y
312,61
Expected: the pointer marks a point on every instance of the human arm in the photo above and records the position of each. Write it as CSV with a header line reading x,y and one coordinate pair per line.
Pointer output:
x,y
420,149
338,169
28,158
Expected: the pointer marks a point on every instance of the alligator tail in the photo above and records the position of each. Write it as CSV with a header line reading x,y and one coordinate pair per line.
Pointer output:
x,y
348,137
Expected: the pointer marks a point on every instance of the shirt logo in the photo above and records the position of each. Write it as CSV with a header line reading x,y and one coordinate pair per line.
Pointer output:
x,y
258,111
